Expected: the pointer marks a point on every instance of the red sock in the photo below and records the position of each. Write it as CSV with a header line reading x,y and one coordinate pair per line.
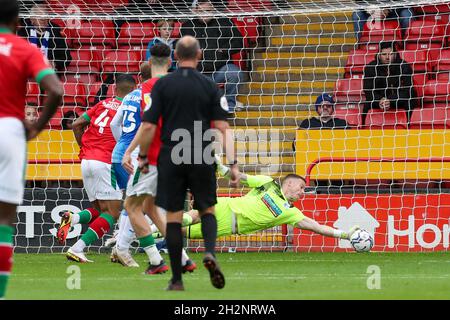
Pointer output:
x,y
94,214
98,228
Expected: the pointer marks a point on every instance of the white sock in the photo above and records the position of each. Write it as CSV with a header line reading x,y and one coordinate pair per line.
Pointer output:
x,y
126,234
153,255
148,219
153,228
75,219
79,246
184,257
122,219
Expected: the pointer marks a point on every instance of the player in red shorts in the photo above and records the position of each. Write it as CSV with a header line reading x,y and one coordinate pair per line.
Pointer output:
x,y
96,146
19,61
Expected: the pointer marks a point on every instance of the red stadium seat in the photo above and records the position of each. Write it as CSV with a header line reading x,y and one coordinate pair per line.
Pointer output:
x,y
136,35
419,80
425,34
55,122
95,34
429,118
85,65
385,30
33,94
249,5
124,61
74,94
418,59
441,62
349,90
93,89
436,91
249,28
379,119
351,115
433,9
95,6
111,91
358,59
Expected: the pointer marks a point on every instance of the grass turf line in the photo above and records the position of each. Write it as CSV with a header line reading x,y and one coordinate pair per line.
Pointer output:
x,y
248,276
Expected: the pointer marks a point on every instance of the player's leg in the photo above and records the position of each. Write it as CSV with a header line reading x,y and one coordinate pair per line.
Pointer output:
x,y
312,225
12,169
133,205
160,222
7,218
105,190
202,183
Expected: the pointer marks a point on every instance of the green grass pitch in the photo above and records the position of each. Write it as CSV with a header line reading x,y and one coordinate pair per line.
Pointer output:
x,y
249,276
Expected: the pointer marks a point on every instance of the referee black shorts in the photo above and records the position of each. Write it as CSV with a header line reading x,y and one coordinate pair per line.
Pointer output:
x,y
175,180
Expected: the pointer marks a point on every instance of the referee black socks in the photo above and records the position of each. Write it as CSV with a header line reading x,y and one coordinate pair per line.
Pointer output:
x,y
209,231
174,240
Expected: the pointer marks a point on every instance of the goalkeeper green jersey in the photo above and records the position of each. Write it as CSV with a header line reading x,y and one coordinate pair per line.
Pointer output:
x,y
264,207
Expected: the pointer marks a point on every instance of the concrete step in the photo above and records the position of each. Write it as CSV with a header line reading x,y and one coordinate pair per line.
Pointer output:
x,y
291,87
311,30
267,123
292,59
312,48
329,17
293,99
347,39
296,74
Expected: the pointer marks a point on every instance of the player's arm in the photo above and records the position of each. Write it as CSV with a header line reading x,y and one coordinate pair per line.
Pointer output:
x,y
116,123
140,136
78,127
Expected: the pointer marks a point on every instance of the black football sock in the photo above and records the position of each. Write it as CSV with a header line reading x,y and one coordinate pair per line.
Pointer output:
x,y
209,231
174,240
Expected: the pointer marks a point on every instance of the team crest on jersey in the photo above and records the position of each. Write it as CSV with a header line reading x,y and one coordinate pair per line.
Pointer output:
x,y
271,205
147,101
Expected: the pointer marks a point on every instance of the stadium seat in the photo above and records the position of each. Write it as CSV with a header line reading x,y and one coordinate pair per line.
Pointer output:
x,y
136,35
441,62
92,6
249,5
74,94
249,28
93,89
95,34
418,59
33,94
357,60
425,34
436,91
349,90
85,65
379,119
419,80
386,30
351,115
55,122
111,91
125,61
433,9
429,118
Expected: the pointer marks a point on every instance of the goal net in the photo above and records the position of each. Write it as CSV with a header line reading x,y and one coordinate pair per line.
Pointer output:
x,y
383,66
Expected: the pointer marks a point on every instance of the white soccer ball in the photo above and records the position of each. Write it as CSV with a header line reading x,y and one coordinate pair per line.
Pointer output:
x,y
361,241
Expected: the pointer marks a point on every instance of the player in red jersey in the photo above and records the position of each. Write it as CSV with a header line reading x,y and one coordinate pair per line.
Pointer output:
x,y
141,188
19,61
96,146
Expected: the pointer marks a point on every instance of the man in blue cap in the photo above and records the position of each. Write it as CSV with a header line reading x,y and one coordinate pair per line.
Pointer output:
x,y
325,110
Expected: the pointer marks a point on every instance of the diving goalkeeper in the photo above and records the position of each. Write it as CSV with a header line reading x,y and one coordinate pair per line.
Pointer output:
x,y
267,205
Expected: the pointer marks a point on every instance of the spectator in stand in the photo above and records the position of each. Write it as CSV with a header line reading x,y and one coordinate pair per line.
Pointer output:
x,y
360,17
325,110
68,118
219,39
164,34
31,113
388,83
47,36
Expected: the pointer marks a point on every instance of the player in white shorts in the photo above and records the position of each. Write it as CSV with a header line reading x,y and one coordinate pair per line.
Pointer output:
x,y
141,189
19,61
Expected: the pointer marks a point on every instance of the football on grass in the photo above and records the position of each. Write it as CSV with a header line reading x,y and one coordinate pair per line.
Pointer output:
x,y
361,240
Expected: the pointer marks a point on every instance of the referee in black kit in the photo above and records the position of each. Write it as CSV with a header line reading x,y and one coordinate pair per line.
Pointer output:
x,y
187,102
